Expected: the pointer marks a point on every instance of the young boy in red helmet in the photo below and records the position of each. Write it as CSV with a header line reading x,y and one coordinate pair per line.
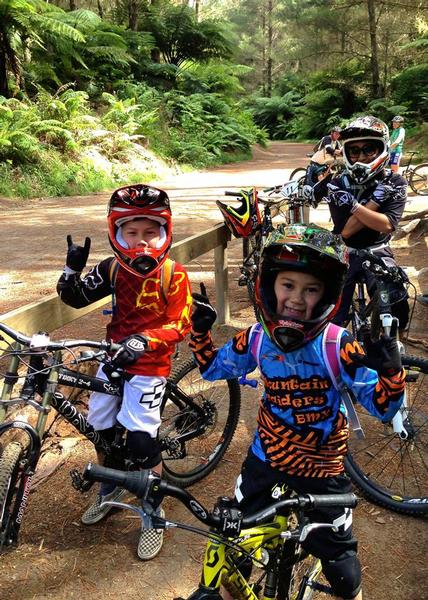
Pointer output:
x,y
302,425
151,306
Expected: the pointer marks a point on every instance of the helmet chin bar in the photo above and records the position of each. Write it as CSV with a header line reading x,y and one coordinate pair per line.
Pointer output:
x,y
143,264
290,338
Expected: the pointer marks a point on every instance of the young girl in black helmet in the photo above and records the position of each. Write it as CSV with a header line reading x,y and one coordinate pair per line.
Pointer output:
x,y
302,425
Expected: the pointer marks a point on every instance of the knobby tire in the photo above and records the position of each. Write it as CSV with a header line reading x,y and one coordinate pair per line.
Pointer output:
x,y
297,173
390,471
9,479
418,180
201,454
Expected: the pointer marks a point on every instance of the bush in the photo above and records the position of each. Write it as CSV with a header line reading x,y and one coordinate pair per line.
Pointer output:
x,y
410,88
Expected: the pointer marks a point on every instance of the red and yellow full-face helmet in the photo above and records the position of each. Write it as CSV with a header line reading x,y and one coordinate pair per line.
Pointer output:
x,y
133,202
309,249
244,219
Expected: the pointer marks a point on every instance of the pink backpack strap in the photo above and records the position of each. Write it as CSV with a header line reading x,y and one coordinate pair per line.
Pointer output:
x,y
331,352
256,338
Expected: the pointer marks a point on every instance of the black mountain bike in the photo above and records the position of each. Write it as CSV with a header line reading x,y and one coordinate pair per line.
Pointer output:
x,y
390,464
198,418
285,201
268,540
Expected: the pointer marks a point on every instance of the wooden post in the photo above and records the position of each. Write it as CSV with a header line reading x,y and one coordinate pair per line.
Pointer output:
x,y
221,284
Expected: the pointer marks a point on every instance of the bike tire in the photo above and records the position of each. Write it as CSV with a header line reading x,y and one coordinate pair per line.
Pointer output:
x,y
299,580
388,470
250,249
9,478
418,180
297,173
190,461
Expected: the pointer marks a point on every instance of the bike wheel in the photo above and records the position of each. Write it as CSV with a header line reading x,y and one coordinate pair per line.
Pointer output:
x,y
297,173
9,480
418,180
185,462
303,580
389,470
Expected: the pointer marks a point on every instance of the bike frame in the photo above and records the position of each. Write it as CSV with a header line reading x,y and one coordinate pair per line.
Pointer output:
x,y
220,560
49,379
359,319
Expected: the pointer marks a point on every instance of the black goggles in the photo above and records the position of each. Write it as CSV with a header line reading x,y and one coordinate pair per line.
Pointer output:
x,y
368,150
139,196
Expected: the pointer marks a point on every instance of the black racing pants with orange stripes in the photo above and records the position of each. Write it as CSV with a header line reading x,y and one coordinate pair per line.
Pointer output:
x,y
258,485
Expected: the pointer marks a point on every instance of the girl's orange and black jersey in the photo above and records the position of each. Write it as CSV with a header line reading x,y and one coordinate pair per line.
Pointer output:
x,y
142,305
302,426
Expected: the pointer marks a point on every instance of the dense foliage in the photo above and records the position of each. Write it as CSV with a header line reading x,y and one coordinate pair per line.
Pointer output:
x,y
88,90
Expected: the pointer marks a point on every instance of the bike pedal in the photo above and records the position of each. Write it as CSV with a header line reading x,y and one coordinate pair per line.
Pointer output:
x,y
80,484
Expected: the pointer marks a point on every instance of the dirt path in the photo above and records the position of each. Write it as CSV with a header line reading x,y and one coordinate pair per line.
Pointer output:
x,y
58,557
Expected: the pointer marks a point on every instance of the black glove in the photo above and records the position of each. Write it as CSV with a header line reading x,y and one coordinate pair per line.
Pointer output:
x,y
340,197
77,255
132,348
382,355
203,313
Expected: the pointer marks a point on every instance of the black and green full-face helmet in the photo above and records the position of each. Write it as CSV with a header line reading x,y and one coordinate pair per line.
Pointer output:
x,y
308,249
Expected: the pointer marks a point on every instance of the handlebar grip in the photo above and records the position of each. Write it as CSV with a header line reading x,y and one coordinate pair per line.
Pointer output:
x,y
229,193
346,500
135,482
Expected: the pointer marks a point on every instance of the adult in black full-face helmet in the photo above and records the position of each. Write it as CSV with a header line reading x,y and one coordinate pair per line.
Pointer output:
x,y
366,203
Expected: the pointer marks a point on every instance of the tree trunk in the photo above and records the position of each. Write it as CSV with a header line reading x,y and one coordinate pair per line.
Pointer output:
x,y
374,61
264,53
197,9
72,4
4,87
100,9
133,14
269,49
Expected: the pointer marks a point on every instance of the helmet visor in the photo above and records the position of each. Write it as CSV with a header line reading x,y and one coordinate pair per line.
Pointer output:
x,y
139,196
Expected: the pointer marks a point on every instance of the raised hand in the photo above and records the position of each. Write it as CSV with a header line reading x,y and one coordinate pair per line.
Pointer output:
x,y
77,255
203,313
382,355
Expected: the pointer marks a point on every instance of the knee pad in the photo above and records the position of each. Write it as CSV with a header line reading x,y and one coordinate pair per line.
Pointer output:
x,y
144,449
108,434
344,575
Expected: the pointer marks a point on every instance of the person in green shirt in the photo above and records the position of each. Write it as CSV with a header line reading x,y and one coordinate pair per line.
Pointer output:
x,y
397,143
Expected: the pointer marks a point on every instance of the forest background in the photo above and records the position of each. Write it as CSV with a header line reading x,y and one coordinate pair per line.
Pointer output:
x,y
98,93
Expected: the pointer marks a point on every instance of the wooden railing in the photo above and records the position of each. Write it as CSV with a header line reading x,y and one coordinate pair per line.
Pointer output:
x,y
51,313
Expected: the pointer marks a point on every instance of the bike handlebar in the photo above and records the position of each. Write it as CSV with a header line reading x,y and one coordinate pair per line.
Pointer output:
x,y
230,193
145,483
42,341
377,266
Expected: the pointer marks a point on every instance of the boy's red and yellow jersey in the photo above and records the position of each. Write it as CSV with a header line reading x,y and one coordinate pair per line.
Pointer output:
x,y
302,427
141,306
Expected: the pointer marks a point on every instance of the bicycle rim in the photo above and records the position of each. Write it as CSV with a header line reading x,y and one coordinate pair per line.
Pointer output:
x,y
305,574
186,462
391,471
9,480
419,180
297,173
